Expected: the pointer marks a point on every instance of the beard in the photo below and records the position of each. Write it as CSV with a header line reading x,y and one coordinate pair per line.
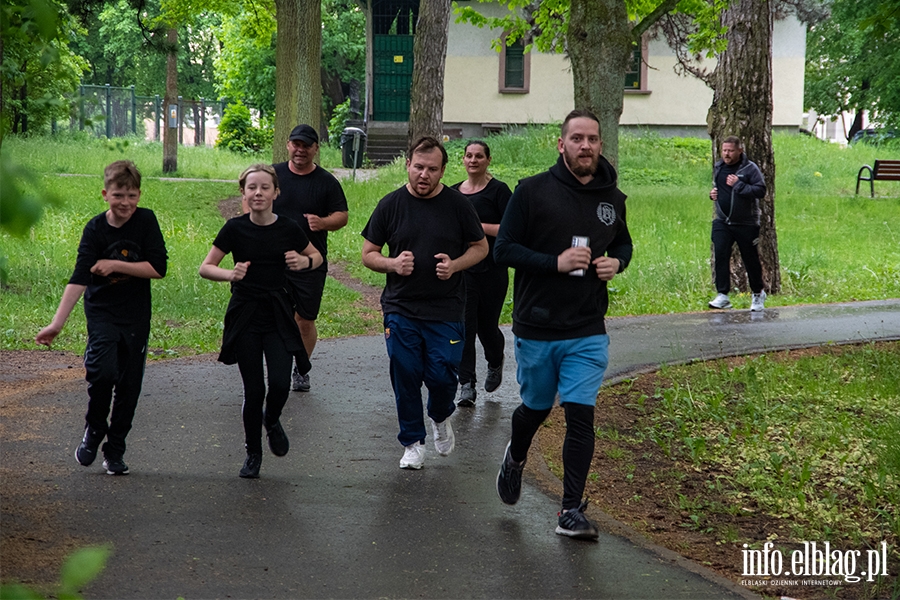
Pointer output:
x,y
578,169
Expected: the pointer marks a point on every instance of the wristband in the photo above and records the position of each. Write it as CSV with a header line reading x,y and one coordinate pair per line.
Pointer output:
x,y
309,268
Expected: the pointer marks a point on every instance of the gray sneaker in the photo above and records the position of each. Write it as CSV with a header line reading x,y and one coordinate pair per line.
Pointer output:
x,y
494,378
758,301
720,301
467,395
299,382
574,524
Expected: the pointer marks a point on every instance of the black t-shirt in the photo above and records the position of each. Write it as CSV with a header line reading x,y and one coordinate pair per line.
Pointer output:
x,y
447,224
119,299
317,193
264,246
490,204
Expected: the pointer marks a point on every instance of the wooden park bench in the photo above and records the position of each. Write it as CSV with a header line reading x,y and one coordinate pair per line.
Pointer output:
x,y
885,170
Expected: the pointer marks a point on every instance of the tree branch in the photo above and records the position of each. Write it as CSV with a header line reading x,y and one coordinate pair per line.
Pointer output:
x,y
658,13
677,28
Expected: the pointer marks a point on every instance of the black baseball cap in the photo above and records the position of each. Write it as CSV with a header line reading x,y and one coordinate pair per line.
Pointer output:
x,y
304,133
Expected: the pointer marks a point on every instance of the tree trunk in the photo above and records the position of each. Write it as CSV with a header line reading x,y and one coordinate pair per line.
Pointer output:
x,y
742,106
599,43
298,60
170,134
426,96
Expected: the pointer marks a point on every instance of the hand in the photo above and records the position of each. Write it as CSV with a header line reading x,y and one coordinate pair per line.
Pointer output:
x,y
573,258
105,267
731,179
47,335
240,270
444,267
714,194
315,222
606,267
295,261
403,263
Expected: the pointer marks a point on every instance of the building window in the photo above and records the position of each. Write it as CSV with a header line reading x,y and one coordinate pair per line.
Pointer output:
x,y
636,77
515,68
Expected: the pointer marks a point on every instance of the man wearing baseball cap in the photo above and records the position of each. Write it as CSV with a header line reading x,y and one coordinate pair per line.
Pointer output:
x,y
315,199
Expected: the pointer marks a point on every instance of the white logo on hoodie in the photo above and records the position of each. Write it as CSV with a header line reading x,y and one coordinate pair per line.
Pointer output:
x,y
606,213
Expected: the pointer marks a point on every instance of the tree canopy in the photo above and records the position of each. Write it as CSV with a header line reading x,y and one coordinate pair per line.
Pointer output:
x,y
853,61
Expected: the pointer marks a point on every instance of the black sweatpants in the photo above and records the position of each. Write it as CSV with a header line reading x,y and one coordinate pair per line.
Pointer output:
x,y
114,362
485,295
250,350
747,238
578,448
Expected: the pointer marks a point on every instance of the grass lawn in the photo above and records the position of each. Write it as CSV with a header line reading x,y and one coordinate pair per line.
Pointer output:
x,y
834,246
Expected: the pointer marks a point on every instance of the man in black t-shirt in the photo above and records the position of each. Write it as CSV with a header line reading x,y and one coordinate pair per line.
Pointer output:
x,y
433,234
120,251
313,197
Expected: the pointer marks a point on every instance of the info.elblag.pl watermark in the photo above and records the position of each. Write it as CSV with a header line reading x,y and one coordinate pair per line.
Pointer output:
x,y
814,564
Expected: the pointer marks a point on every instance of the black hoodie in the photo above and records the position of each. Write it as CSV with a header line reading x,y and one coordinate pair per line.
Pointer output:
x,y
543,214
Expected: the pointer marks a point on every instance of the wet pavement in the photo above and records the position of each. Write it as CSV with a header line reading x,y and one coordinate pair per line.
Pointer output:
x,y
336,517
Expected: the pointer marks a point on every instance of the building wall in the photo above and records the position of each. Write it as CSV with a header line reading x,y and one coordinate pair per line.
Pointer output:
x,y
674,102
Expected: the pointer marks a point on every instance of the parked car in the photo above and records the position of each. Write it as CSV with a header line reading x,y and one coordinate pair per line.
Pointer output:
x,y
873,136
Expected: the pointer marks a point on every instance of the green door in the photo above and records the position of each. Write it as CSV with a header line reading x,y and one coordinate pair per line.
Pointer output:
x,y
393,77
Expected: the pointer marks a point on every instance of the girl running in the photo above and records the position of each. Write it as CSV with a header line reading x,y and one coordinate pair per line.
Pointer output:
x,y
259,321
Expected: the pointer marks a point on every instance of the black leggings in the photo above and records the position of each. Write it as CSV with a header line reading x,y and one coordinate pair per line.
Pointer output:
x,y
578,449
485,295
250,351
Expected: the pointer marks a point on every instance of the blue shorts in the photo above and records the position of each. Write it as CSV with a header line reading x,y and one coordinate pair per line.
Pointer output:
x,y
573,368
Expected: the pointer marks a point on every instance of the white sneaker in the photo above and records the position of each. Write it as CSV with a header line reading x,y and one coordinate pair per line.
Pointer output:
x,y
720,301
413,456
758,301
444,440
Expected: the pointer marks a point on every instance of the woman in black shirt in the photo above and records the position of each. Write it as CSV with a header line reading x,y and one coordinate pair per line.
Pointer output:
x,y
259,320
486,283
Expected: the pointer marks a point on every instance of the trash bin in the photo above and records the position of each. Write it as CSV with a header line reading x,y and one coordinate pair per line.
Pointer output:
x,y
353,145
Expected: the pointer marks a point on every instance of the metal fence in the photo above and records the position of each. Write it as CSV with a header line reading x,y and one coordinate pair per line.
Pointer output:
x,y
113,111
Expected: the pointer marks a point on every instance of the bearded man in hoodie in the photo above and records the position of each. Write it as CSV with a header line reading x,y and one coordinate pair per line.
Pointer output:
x,y
564,232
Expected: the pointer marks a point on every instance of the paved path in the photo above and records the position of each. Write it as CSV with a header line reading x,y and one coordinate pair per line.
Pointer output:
x,y
336,518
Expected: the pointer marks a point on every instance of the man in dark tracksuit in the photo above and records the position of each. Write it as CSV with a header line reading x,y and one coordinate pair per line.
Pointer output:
x,y
564,232
738,184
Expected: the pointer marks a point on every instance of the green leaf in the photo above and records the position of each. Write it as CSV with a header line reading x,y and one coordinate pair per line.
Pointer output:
x,y
14,591
82,567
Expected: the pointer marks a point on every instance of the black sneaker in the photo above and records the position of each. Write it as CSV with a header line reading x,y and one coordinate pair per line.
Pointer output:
x,y
278,440
466,395
509,479
299,382
574,524
251,466
115,466
86,452
494,378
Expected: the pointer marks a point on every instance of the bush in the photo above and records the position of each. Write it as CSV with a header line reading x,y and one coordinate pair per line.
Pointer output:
x,y
238,134
337,123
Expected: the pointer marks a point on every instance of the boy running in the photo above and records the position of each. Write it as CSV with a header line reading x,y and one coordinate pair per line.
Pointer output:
x,y
121,250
